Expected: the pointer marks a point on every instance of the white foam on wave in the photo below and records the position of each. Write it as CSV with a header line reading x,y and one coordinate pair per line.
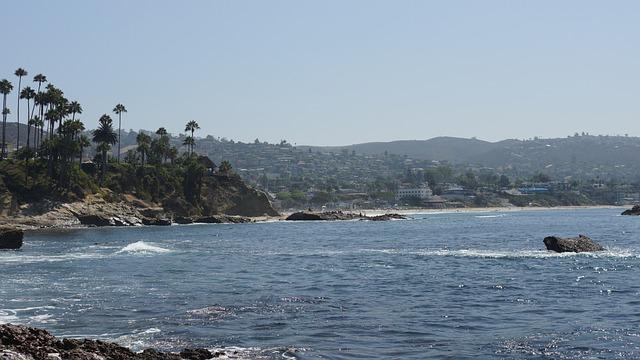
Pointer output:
x,y
490,216
8,316
236,352
498,254
141,247
18,258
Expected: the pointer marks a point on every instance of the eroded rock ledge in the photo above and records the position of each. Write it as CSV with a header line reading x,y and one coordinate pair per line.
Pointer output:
x,y
19,342
339,215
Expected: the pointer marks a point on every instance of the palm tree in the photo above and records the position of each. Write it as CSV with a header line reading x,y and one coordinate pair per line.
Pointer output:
x,y
19,73
144,144
119,109
105,136
83,142
192,126
172,153
5,89
189,142
28,93
38,124
75,108
40,99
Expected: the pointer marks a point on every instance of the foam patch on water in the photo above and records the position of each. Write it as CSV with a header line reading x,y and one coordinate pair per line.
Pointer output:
x,y
8,316
17,258
141,247
490,216
235,352
498,254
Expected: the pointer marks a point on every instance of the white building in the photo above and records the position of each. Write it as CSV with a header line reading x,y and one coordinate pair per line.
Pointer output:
x,y
421,192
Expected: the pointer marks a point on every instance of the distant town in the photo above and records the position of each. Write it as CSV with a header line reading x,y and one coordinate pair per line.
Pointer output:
x,y
514,173
580,169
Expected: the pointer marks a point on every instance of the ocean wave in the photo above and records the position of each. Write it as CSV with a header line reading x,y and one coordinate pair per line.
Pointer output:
x,y
489,216
141,247
497,254
30,259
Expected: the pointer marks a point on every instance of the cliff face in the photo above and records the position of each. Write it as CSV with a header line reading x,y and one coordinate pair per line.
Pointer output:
x,y
219,194
222,194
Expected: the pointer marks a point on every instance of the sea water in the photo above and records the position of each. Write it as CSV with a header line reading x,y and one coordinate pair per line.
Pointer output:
x,y
454,286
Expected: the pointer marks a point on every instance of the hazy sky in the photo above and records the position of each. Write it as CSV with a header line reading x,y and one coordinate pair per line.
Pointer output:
x,y
339,72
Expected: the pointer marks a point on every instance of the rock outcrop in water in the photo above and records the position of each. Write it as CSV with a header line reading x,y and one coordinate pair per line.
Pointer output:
x,y
24,343
635,210
578,244
339,215
10,237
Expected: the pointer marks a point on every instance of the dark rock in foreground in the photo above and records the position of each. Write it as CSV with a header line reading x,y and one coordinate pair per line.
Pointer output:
x,y
580,244
10,237
635,210
21,342
339,215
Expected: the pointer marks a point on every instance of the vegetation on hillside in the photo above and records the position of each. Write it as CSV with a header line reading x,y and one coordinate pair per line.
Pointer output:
x,y
50,164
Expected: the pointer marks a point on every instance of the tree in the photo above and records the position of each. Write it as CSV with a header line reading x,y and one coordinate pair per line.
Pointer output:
x,y
192,126
28,93
144,143
189,142
75,108
83,142
20,72
160,146
5,89
40,99
225,167
119,109
105,137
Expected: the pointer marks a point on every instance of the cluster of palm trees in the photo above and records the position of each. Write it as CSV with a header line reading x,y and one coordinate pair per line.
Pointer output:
x,y
158,149
55,133
46,106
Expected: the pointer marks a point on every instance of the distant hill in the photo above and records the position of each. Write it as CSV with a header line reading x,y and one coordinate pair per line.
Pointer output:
x,y
584,156
440,148
575,155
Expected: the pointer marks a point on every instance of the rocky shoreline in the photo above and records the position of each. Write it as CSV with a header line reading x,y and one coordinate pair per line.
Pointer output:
x,y
19,342
96,211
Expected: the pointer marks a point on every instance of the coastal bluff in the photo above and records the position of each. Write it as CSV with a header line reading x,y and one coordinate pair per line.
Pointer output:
x,y
220,199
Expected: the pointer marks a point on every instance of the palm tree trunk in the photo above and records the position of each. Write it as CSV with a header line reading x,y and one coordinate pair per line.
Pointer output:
x,y
18,109
28,127
119,124
4,124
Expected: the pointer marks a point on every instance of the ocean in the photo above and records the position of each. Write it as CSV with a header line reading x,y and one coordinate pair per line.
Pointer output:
x,y
439,286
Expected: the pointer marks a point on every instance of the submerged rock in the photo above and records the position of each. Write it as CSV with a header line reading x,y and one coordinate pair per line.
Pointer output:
x,y
10,237
21,342
579,244
635,210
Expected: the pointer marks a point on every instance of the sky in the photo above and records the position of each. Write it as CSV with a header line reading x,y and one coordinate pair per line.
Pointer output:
x,y
337,72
